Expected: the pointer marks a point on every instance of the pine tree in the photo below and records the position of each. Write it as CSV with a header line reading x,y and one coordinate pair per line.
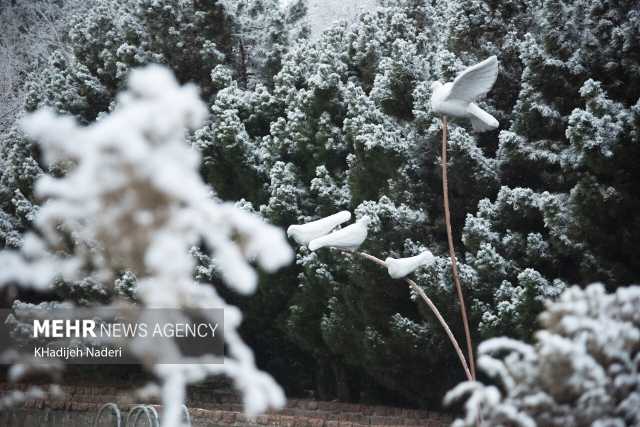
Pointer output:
x,y
565,166
18,172
528,192
210,43
347,126
300,131
101,45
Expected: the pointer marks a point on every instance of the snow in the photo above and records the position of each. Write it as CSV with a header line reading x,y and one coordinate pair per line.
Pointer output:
x,y
402,267
321,14
305,233
133,198
348,238
581,370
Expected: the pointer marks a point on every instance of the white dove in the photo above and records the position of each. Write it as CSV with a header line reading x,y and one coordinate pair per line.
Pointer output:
x,y
456,98
349,238
304,233
401,267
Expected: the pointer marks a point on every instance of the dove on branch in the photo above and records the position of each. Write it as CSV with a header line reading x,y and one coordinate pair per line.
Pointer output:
x,y
402,267
349,238
304,233
456,98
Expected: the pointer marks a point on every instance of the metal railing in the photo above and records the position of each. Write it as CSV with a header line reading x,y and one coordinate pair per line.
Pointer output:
x,y
115,410
133,416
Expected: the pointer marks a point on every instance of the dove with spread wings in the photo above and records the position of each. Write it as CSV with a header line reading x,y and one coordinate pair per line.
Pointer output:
x,y
456,99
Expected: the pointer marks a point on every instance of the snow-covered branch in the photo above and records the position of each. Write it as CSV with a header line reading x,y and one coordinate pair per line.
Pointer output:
x,y
132,199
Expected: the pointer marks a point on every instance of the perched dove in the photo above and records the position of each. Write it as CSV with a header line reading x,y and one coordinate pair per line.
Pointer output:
x,y
304,233
456,98
401,267
349,238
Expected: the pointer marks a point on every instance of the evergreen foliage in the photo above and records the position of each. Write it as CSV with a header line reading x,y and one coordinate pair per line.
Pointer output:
x,y
301,130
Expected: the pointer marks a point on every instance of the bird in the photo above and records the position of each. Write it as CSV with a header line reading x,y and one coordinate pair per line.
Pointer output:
x,y
402,267
456,98
348,238
304,233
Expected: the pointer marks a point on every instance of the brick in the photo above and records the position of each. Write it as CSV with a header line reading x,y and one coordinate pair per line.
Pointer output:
x,y
326,406
262,419
198,413
301,422
422,414
242,418
207,406
56,404
377,420
353,407
316,422
295,403
441,420
366,410
229,417
381,411
410,413
287,421
395,412
356,418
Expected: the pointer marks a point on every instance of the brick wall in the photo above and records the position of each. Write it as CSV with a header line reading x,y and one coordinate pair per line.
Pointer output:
x,y
209,408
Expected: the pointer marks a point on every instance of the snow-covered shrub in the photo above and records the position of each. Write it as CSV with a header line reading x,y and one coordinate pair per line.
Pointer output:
x,y
583,370
131,199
